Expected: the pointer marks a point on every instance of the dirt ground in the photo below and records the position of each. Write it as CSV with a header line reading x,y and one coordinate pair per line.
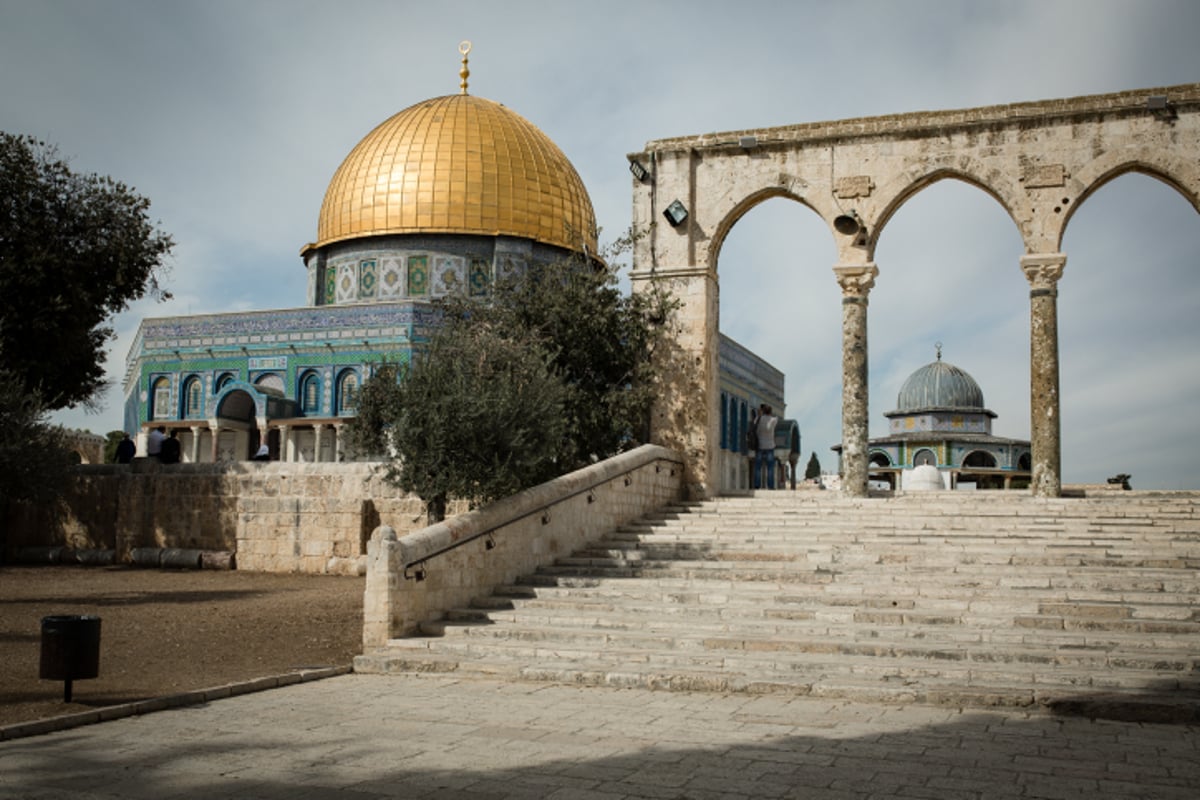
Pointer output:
x,y
166,631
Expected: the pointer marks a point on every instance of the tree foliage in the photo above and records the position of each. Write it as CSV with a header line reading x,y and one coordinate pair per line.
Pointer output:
x,y
74,250
477,416
33,454
813,470
553,370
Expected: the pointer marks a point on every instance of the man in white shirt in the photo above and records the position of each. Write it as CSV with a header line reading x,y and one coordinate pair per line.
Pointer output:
x,y
766,447
154,441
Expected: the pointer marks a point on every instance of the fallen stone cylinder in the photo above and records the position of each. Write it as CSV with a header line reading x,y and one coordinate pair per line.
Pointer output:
x,y
180,558
146,556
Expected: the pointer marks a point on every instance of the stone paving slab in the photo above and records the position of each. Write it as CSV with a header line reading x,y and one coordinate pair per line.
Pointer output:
x,y
368,737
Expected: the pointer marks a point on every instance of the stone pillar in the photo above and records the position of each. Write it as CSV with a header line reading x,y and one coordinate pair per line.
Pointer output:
x,y
686,414
196,431
216,438
317,428
285,443
1043,272
337,440
856,281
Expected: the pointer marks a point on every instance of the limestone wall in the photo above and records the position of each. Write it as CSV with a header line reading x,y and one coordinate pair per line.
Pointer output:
x,y
414,578
276,517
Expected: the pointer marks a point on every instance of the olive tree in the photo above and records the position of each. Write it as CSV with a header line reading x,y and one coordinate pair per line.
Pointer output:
x,y
553,370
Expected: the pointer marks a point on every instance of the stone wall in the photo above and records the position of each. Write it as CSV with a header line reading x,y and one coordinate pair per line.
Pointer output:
x,y
414,578
276,517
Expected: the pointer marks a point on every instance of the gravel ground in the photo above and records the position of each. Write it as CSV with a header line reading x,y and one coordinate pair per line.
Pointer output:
x,y
163,631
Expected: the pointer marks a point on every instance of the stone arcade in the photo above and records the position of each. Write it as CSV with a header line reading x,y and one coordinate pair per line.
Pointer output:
x,y
1039,160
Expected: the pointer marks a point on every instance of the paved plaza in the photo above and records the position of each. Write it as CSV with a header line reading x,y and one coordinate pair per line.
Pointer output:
x,y
360,737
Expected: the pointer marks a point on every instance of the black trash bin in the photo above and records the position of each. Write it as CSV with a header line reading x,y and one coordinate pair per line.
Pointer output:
x,y
70,649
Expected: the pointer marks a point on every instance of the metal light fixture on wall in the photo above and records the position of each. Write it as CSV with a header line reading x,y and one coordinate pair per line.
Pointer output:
x,y
675,213
1161,108
639,172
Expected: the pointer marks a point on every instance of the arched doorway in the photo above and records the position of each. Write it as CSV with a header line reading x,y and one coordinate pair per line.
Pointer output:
x,y
237,436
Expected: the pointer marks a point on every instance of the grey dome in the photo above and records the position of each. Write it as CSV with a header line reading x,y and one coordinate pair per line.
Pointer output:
x,y
940,385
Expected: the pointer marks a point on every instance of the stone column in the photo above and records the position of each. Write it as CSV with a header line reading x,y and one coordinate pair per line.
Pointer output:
x,y
285,443
686,413
856,281
216,438
1043,272
317,428
196,431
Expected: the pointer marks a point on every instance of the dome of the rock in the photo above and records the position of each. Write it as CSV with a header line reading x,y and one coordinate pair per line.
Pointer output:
x,y
458,164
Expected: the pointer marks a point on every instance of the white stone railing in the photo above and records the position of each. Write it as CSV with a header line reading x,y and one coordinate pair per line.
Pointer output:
x,y
416,578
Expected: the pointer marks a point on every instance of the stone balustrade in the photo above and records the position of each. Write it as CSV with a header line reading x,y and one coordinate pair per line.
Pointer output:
x,y
413,578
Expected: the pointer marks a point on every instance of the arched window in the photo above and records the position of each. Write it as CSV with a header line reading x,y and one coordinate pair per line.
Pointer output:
x,y
980,458
193,398
923,457
347,392
880,459
310,393
1025,462
224,380
160,398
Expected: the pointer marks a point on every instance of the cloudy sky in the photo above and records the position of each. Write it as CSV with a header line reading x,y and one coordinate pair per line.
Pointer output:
x,y
232,117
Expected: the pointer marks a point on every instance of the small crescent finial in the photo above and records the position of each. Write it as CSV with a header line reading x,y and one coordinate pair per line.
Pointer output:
x,y
465,48
938,345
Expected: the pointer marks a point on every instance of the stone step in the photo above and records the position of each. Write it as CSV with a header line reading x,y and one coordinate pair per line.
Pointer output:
x,y
984,600
1111,693
763,658
807,618
1153,604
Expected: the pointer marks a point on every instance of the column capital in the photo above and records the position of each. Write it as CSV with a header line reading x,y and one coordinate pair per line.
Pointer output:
x,y
856,280
1043,270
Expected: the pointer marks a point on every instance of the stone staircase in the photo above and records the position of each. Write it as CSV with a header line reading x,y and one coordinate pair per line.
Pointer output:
x,y
1082,605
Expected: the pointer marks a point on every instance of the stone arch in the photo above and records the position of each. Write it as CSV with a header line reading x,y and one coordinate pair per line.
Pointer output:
x,y
237,403
913,182
741,208
1110,166
1022,154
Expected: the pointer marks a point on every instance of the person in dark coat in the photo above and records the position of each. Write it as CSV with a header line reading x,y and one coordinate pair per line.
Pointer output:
x,y
126,450
169,453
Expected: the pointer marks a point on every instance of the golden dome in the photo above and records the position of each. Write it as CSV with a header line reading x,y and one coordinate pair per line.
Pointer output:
x,y
458,164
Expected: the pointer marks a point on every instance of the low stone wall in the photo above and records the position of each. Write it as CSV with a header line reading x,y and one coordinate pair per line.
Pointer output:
x,y
276,517
414,578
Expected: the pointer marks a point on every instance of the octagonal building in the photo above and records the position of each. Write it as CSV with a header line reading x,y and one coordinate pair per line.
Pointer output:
x,y
941,421
447,196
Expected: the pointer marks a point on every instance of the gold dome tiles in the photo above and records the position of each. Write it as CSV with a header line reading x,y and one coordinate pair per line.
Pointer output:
x,y
458,164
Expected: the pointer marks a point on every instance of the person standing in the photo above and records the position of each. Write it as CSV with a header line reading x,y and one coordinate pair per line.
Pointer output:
x,y
154,441
170,450
126,449
765,428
